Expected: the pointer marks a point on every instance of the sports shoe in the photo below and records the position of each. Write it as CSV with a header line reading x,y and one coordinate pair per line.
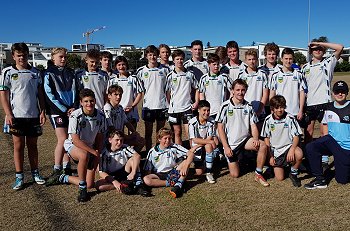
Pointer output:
x,y
83,195
38,178
67,171
141,190
54,178
315,183
19,183
175,191
260,179
295,180
210,178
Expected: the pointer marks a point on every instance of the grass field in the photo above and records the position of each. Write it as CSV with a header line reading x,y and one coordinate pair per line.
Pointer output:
x,y
239,204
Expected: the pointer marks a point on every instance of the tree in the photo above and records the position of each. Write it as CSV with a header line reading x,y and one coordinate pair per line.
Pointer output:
x,y
321,39
40,67
208,44
299,58
342,66
74,61
134,58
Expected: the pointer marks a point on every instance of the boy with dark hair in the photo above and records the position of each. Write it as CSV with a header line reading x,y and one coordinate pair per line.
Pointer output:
x,y
202,131
290,83
234,66
84,144
281,132
153,77
167,164
319,74
180,83
120,162
271,53
106,59
197,64
336,141
93,78
23,102
238,131
258,92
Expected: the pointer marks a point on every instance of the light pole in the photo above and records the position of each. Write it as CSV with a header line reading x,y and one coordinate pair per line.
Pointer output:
x,y
308,30
1,54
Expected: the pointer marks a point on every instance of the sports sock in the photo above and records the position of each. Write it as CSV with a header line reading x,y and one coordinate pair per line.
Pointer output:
x,y
179,182
325,159
82,184
258,171
64,179
293,171
138,178
19,175
209,162
35,172
216,152
66,165
57,167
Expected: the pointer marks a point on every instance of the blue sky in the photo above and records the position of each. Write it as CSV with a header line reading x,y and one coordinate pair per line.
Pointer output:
x,y
177,22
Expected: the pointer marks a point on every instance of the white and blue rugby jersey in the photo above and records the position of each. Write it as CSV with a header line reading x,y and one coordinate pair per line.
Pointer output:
x,y
115,116
281,133
180,85
233,71
289,85
97,82
338,120
318,78
87,127
215,89
23,87
236,120
153,81
198,130
198,68
162,161
112,161
270,71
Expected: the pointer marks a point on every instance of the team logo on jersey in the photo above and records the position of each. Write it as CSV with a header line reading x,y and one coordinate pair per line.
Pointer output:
x,y
230,112
307,71
146,75
286,125
272,128
280,79
161,73
346,118
330,117
258,78
86,78
245,112
83,124
207,83
175,80
156,158
295,78
188,78
219,82
14,76
59,120
129,83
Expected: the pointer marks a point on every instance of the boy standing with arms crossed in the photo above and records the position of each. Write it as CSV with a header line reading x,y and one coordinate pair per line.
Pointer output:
x,y
238,131
197,64
21,93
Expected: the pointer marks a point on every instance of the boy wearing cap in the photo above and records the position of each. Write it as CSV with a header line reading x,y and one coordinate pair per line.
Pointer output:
x,y
336,141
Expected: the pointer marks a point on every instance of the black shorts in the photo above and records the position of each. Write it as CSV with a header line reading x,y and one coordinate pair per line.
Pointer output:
x,y
314,112
152,115
180,118
162,175
238,152
199,157
281,161
91,160
26,127
60,121
120,174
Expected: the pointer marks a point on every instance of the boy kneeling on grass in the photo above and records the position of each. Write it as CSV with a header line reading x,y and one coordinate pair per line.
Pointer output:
x,y
281,131
119,167
167,164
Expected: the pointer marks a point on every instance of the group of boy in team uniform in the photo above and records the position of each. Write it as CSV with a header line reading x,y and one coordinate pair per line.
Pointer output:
x,y
226,107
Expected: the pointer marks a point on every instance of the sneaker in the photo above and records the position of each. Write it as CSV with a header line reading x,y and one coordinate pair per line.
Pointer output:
x,y
83,195
210,178
54,178
38,178
175,191
260,179
315,183
19,183
67,171
141,190
295,180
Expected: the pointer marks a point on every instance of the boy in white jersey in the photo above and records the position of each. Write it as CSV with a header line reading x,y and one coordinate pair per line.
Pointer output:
x,y
238,131
202,131
132,90
106,59
84,144
120,162
290,83
258,92
117,119
180,83
318,75
214,87
197,64
167,164
164,54
234,66
93,78
281,132
20,94
153,78
271,52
